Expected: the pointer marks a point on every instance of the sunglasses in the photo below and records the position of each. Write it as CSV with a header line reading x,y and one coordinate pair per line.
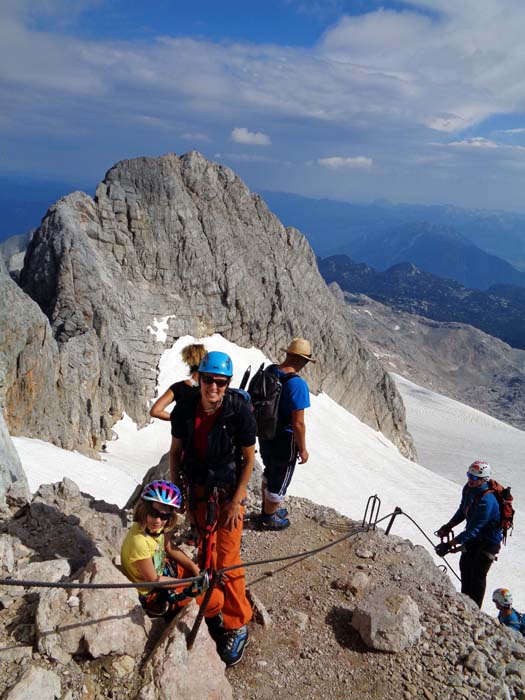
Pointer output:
x,y
220,383
473,478
154,513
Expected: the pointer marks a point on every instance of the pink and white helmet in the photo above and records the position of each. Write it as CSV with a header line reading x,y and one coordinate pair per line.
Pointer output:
x,y
480,469
164,492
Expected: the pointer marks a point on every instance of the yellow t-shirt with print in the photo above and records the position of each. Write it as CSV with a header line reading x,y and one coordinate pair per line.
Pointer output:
x,y
137,546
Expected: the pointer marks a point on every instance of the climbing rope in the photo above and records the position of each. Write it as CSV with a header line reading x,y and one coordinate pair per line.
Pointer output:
x,y
219,572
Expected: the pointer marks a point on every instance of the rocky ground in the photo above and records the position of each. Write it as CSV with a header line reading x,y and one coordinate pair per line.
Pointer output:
x,y
303,643
311,650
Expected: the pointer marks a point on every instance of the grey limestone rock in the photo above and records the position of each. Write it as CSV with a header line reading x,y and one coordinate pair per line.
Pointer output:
x,y
174,672
106,622
29,366
82,527
387,620
184,239
36,682
11,470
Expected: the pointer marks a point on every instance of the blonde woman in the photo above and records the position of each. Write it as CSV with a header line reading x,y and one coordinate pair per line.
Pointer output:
x,y
192,356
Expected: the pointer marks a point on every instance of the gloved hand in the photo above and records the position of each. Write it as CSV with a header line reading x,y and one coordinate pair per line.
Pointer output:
x,y
444,530
443,548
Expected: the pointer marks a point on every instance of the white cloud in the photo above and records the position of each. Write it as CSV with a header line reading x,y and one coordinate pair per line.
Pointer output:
x,y
447,71
474,142
196,136
481,145
511,131
338,162
254,138
249,158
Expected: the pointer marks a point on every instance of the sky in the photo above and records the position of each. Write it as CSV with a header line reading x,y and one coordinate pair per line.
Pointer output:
x,y
418,101
348,460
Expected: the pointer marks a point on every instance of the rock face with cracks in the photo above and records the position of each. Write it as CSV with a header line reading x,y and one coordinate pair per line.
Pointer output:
x,y
182,240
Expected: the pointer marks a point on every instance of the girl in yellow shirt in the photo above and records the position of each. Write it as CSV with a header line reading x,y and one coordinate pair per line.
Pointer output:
x,y
148,554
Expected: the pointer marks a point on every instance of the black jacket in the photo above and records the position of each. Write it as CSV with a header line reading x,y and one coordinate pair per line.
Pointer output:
x,y
234,429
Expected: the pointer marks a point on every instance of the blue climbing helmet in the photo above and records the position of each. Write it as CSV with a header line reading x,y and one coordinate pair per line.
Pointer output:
x,y
216,362
163,492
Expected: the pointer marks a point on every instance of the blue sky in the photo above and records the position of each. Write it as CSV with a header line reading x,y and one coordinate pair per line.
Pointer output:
x,y
420,101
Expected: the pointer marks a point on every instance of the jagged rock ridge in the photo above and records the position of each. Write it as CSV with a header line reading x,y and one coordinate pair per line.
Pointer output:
x,y
184,238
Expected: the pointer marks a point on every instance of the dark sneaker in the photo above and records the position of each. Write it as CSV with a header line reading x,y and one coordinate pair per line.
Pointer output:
x,y
281,512
274,522
233,644
215,627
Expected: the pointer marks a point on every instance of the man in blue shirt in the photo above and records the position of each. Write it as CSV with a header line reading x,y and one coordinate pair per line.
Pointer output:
x,y
481,539
507,616
280,454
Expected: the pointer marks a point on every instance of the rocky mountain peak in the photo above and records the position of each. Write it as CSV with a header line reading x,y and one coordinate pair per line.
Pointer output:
x,y
184,239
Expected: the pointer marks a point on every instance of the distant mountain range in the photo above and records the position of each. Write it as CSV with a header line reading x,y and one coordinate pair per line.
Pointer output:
x,y
405,287
477,248
454,359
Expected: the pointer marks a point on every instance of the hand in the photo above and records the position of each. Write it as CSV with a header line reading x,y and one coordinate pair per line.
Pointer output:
x,y
231,513
444,530
303,456
443,548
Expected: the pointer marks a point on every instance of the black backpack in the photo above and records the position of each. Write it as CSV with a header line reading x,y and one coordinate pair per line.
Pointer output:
x,y
265,391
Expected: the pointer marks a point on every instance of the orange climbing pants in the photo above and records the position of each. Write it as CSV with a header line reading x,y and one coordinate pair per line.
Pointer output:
x,y
225,551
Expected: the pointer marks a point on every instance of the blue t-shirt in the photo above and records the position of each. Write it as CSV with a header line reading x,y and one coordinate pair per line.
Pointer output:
x,y
513,621
295,396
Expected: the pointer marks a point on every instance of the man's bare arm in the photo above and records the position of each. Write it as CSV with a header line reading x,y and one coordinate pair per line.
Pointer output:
x,y
299,433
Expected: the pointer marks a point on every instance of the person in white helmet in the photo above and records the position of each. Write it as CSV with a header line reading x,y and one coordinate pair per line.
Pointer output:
x,y
502,598
481,539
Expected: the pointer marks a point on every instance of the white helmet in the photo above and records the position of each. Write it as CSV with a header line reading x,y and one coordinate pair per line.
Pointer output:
x,y
503,597
480,469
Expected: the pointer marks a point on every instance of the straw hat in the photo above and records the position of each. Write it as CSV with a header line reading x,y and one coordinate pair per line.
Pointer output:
x,y
301,347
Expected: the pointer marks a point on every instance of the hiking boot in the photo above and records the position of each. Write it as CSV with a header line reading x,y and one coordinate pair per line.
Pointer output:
x,y
274,522
233,644
281,512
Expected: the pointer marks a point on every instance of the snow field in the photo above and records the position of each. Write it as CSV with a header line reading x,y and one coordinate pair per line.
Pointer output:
x,y
348,461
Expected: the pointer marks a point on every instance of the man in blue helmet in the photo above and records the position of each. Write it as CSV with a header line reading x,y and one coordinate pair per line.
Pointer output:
x,y
213,450
481,539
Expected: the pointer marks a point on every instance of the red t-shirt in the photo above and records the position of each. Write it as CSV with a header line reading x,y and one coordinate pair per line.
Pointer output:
x,y
204,422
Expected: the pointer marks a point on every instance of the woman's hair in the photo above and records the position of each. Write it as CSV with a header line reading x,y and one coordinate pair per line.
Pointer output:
x,y
140,512
192,355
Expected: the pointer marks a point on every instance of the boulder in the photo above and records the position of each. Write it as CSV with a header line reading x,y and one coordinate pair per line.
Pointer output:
x,y
387,620
51,571
106,621
7,556
34,683
174,673
61,522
